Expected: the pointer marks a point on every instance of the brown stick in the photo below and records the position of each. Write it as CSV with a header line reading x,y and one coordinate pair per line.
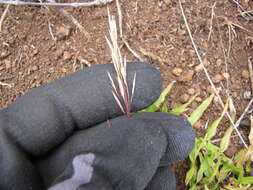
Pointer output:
x,y
250,73
3,17
72,19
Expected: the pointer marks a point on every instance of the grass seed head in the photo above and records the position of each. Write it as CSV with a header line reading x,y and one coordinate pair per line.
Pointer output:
x,y
120,91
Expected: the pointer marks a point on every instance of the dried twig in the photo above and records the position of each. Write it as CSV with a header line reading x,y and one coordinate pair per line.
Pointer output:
x,y
3,17
4,84
119,91
49,23
132,51
71,19
120,18
244,113
251,73
54,4
207,74
211,22
248,15
224,52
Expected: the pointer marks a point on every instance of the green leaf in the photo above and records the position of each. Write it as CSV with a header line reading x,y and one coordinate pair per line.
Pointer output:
x,y
211,148
180,109
249,166
193,187
240,157
215,171
203,167
190,173
198,112
246,180
211,131
226,139
237,171
223,174
155,106
199,144
164,108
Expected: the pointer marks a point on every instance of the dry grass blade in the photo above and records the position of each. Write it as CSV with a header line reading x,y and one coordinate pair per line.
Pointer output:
x,y
120,18
207,74
251,131
54,4
251,73
132,51
4,84
120,91
244,113
71,19
245,14
211,22
3,17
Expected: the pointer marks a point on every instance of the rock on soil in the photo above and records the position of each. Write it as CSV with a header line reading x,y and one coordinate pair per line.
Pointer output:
x,y
186,76
63,32
184,98
245,74
198,68
177,71
191,91
217,78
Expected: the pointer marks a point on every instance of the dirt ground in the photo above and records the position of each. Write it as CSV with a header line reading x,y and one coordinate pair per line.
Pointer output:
x,y
31,55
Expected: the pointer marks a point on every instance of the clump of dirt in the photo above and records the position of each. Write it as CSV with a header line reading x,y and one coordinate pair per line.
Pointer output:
x,y
39,45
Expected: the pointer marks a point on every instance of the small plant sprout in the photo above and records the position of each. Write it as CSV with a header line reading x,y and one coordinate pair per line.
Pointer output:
x,y
120,91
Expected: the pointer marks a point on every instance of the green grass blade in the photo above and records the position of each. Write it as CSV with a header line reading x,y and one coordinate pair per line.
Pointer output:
x,y
226,139
203,167
190,173
155,106
193,187
211,131
198,112
227,135
246,180
164,108
180,109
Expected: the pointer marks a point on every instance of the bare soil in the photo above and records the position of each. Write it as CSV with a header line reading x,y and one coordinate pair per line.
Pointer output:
x,y
30,57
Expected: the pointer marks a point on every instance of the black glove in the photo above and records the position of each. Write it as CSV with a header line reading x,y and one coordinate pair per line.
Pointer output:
x,y
69,135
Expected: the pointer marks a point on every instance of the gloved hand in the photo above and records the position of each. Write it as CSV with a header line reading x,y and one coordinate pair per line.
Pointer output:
x,y
69,135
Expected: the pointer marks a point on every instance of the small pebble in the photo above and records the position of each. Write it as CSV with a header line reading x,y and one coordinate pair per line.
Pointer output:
x,y
58,54
177,71
191,91
198,68
4,54
63,32
186,76
35,68
167,2
226,76
247,95
234,94
35,52
64,70
7,64
219,62
184,98
198,99
210,89
217,78
245,74
66,56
